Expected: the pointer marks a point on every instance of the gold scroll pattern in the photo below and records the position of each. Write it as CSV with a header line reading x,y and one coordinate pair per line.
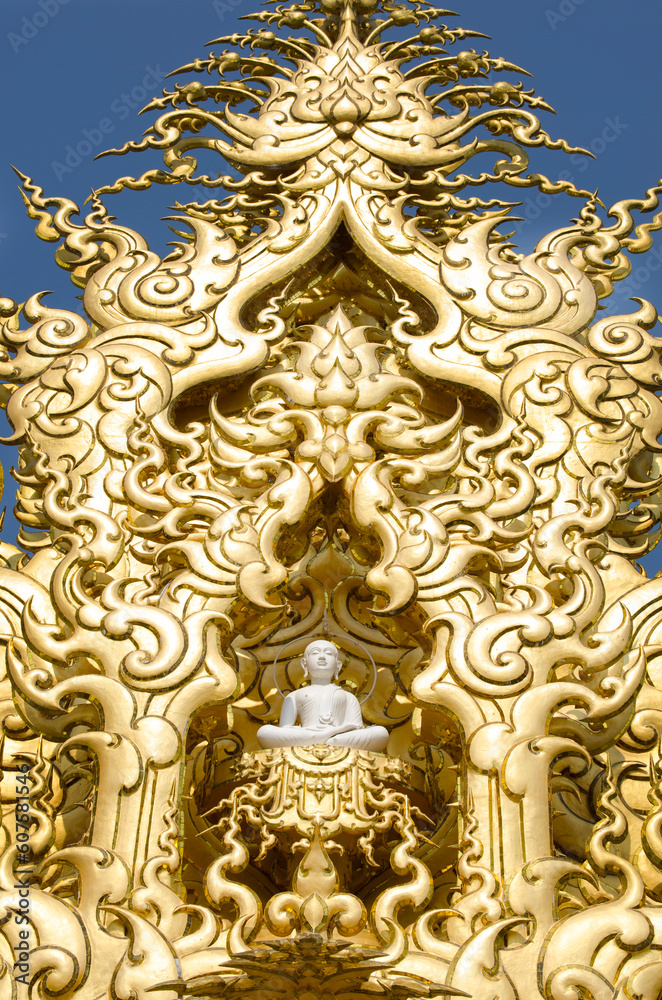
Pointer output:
x,y
343,404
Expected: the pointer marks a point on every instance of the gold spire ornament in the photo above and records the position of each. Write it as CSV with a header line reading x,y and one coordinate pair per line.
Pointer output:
x,y
344,415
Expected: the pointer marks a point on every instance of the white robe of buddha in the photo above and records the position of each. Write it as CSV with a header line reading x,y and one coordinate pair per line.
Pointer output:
x,y
326,713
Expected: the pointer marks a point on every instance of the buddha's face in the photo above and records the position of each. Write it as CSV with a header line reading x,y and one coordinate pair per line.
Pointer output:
x,y
321,661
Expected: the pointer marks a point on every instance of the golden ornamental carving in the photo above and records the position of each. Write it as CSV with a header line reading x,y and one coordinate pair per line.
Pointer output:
x,y
345,408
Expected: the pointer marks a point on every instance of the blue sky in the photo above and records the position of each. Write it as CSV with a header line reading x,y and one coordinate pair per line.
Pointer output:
x,y
74,74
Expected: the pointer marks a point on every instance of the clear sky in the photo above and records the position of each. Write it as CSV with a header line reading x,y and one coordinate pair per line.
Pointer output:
x,y
74,74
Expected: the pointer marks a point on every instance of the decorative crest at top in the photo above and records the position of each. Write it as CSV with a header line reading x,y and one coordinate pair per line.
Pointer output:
x,y
350,106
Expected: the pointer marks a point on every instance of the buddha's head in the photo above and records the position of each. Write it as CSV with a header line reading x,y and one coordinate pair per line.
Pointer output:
x,y
321,661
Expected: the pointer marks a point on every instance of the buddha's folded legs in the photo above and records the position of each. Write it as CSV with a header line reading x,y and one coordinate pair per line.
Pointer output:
x,y
287,736
370,738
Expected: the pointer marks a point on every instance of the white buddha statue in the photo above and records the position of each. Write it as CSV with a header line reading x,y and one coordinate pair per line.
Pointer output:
x,y
327,713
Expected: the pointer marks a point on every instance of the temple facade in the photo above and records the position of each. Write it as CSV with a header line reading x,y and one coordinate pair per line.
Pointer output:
x,y
329,666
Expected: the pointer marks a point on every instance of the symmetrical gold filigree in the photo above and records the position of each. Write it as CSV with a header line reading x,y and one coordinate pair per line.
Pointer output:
x,y
343,405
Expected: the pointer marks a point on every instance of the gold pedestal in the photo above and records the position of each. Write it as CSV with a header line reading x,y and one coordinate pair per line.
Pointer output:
x,y
321,823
